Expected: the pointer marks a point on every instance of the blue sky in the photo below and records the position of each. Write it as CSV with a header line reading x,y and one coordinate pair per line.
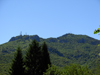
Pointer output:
x,y
48,18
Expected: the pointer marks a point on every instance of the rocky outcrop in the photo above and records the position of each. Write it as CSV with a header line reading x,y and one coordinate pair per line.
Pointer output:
x,y
12,39
36,37
15,38
26,37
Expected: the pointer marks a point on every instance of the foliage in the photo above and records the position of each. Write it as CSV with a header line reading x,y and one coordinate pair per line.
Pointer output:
x,y
63,50
52,70
45,58
17,67
32,58
76,69
72,69
37,59
97,31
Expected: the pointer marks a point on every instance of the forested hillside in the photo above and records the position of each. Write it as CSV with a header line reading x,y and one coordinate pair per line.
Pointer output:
x,y
63,50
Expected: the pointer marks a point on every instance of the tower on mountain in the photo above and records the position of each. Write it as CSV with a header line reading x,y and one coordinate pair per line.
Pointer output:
x,y
21,33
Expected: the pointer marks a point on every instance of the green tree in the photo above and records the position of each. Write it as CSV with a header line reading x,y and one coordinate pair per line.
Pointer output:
x,y
52,70
32,59
17,67
45,58
97,31
76,69
72,69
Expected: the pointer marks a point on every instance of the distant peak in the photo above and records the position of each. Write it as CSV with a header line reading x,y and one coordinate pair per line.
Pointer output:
x,y
66,35
26,37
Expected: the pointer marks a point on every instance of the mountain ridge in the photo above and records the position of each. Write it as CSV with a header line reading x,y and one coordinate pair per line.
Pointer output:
x,y
27,37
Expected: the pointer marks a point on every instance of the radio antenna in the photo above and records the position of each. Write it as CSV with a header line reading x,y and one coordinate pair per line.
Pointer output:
x,y
21,33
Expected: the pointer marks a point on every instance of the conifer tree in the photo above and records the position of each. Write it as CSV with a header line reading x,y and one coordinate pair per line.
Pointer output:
x,y
45,58
17,67
32,59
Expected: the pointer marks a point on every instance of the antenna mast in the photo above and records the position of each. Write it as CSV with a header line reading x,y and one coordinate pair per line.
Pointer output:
x,y
21,33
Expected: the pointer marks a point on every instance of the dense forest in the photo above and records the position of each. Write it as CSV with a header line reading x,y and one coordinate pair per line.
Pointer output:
x,y
37,62
67,55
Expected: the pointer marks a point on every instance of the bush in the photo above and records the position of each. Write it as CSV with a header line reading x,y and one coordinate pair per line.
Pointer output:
x,y
72,69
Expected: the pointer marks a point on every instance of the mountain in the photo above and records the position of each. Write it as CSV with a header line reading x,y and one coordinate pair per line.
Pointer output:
x,y
66,49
